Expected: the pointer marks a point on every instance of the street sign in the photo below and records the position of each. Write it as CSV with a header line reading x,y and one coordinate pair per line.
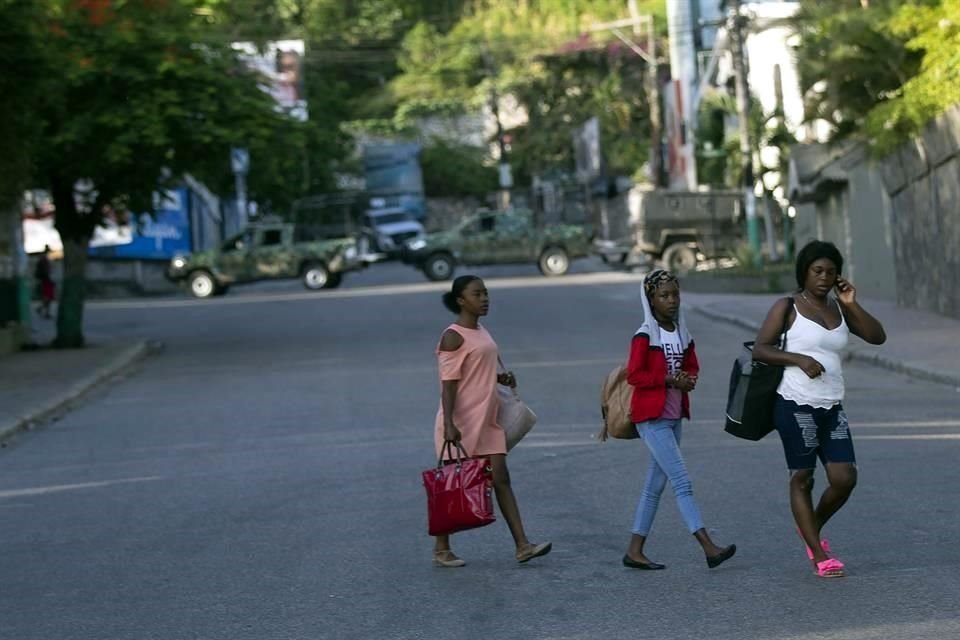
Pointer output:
x,y
239,160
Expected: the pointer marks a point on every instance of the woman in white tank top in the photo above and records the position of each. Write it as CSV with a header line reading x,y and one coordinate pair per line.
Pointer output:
x,y
809,413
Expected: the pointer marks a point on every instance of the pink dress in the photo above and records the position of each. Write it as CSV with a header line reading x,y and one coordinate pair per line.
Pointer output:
x,y
474,364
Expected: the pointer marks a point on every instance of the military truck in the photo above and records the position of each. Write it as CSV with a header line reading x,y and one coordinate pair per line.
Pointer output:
x,y
678,228
499,237
269,251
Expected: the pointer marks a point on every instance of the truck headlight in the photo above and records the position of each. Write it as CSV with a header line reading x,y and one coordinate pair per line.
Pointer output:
x,y
178,262
416,244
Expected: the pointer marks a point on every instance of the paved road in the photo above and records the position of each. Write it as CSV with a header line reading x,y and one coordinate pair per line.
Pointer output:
x,y
260,480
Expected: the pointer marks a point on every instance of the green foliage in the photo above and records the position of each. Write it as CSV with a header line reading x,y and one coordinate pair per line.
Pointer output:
x,y
566,91
880,71
934,32
21,52
713,155
718,156
139,93
533,52
850,60
451,169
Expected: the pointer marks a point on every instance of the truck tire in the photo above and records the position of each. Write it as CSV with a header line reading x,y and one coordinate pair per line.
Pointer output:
x,y
554,261
316,276
438,266
680,258
203,284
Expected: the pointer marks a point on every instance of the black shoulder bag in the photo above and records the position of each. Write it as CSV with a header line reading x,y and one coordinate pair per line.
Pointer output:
x,y
753,391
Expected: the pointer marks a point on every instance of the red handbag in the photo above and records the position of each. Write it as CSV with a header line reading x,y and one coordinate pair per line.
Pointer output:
x,y
459,494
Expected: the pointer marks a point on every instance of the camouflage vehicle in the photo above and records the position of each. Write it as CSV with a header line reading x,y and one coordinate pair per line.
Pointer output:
x,y
678,228
268,252
498,237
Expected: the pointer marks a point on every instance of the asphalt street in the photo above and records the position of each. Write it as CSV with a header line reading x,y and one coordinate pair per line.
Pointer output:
x,y
260,479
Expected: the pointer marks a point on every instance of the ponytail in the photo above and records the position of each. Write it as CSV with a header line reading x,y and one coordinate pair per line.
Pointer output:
x,y
456,290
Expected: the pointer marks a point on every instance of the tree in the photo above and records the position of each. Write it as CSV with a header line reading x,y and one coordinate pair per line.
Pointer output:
x,y
537,53
21,51
933,32
451,169
136,94
850,60
570,89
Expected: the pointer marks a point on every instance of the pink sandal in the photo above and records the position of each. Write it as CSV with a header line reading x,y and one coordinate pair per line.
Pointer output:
x,y
824,544
830,568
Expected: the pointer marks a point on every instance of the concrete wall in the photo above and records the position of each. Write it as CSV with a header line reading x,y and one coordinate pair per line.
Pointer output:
x,y
844,200
804,224
870,221
922,179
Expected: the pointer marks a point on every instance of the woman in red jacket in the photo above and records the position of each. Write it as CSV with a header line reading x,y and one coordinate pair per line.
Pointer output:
x,y
663,370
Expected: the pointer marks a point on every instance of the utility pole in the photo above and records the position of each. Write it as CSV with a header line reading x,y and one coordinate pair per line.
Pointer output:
x,y
743,115
683,71
653,91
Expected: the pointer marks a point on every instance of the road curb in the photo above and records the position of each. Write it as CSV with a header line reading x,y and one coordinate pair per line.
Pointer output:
x,y
873,359
125,359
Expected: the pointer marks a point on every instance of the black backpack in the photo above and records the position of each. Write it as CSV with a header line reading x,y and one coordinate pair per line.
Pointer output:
x,y
753,391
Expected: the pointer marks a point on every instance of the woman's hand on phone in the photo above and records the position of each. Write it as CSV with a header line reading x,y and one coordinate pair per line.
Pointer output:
x,y
846,293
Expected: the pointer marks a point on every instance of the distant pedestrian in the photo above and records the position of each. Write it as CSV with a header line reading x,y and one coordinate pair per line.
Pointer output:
x,y
809,413
46,288
663,370
467,357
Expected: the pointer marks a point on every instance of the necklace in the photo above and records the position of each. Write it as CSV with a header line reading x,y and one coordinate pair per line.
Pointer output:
x,y
803,294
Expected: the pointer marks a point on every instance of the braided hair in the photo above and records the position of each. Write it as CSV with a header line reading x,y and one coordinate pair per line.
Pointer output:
x,y
656,278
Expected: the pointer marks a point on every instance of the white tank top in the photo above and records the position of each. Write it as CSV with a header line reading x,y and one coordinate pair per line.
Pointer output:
x,y
824,346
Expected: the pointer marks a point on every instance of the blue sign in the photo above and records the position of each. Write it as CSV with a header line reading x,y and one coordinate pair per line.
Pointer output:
x,y
393,173
144,236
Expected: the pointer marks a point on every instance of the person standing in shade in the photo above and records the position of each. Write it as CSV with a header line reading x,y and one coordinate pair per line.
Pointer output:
x,y
663,370
808,413
467,357
46,288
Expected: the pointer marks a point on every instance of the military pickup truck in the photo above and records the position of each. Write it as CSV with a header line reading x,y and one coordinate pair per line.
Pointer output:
x,y
267,252
678,228
498,237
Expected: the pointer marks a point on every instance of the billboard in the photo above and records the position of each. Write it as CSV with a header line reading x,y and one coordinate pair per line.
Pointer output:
x,y
144,236
121,235
587,152
393,173
280,66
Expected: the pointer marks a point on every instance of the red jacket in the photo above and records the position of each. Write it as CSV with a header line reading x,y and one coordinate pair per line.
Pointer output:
x,y
647,373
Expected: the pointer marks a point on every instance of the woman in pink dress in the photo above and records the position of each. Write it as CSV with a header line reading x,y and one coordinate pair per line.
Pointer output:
x,y
467,357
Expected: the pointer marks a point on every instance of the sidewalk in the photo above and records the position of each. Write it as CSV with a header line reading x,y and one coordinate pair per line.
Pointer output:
x,y
36,385
920,344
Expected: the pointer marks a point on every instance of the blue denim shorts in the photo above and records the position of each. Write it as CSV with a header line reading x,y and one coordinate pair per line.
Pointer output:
x,y
808,433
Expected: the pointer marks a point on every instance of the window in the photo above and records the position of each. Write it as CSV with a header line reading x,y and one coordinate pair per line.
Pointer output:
x,y
271,237
515,222
238,242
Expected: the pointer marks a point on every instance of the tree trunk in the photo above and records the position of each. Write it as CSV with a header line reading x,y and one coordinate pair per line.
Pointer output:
x,y
75,230
72,293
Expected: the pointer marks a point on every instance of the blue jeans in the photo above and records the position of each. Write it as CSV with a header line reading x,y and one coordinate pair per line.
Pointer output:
x,y
663,439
